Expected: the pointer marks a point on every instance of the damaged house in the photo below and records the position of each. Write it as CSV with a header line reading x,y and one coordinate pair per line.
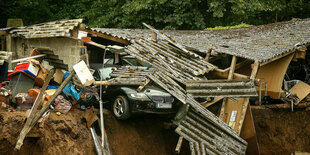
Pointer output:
x,y
215,74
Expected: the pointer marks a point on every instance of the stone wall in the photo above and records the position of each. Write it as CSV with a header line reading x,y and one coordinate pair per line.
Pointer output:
x,y
66,48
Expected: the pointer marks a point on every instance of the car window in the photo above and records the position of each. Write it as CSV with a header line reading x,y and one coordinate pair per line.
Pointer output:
x,y
109,61
105,72
130,62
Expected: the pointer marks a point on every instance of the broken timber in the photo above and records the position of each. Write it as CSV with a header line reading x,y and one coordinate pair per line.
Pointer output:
x,y
169,59
35,115
34,109
221,88
228,137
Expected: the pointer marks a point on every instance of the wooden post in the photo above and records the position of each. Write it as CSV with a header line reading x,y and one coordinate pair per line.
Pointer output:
x,y
33,111
230,76
58,91
178,147
154,36
208,55
232,68
36,116
245,106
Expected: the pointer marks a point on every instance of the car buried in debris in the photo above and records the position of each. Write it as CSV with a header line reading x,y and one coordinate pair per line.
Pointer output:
x,y
125,101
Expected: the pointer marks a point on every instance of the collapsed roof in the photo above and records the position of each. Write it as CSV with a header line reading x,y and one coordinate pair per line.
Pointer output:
x,y
260,43
61,28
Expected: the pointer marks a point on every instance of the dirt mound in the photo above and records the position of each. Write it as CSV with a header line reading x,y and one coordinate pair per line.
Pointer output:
x,y
278,132
147,134
65,134
282,131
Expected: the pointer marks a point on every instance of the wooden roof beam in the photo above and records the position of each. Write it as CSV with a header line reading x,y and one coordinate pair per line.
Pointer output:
x,y
104,36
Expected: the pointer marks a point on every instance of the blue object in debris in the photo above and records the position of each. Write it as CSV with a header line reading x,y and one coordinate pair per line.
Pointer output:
x,y
65,76
52,87
70,90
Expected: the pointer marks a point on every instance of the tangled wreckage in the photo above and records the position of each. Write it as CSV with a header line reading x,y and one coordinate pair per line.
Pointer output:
x,y
207,79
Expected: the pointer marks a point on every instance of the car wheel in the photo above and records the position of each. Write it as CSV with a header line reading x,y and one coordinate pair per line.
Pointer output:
x,y
120,108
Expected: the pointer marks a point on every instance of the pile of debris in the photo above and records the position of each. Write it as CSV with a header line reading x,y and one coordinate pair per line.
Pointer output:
x,y
30,86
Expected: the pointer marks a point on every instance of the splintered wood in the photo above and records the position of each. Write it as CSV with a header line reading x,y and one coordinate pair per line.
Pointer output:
x,y
36,114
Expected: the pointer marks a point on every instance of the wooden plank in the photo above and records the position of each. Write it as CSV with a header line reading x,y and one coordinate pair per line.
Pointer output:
x,y
232,68
33,111
96,44
254,70
224,74
274,73
301,89
179,144
216,99
248,133
101,35
246,104
230,76
239,65
49,102
140,88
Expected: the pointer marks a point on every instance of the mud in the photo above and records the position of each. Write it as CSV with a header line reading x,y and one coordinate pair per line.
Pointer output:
x,y
282,131
278,132
147,134
65,134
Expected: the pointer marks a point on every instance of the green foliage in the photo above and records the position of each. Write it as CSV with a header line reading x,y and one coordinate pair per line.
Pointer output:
x,y
229,27
162,14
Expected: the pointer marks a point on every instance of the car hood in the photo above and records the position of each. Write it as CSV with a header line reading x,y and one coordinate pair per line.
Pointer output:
x,y
155,91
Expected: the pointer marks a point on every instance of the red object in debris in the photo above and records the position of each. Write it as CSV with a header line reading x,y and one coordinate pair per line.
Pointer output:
x,y
256,102
9,73
86,39
27,67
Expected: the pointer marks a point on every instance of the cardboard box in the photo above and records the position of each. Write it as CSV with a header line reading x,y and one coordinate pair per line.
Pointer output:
x,y
27,67
58,76
83,73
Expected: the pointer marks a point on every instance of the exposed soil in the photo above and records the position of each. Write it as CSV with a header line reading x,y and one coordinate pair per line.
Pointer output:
x,y
142,135
282,131
278,132
65,134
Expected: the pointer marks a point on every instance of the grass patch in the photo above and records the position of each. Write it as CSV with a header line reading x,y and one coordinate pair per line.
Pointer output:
x,y
229,27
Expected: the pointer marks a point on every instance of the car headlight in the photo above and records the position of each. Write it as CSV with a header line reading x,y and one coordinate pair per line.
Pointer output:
x,y
140,96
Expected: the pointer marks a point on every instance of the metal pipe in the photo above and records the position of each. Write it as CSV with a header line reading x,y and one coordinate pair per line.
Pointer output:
x,y
95,138
101,105
27,58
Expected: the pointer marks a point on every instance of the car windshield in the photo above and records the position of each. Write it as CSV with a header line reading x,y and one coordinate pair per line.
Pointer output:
x,y
130,61
105,72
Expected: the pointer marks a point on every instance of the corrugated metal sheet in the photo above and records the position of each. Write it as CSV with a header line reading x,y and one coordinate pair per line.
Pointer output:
x,y
222,88
205,139
193,132
60,28
260,43
165,57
